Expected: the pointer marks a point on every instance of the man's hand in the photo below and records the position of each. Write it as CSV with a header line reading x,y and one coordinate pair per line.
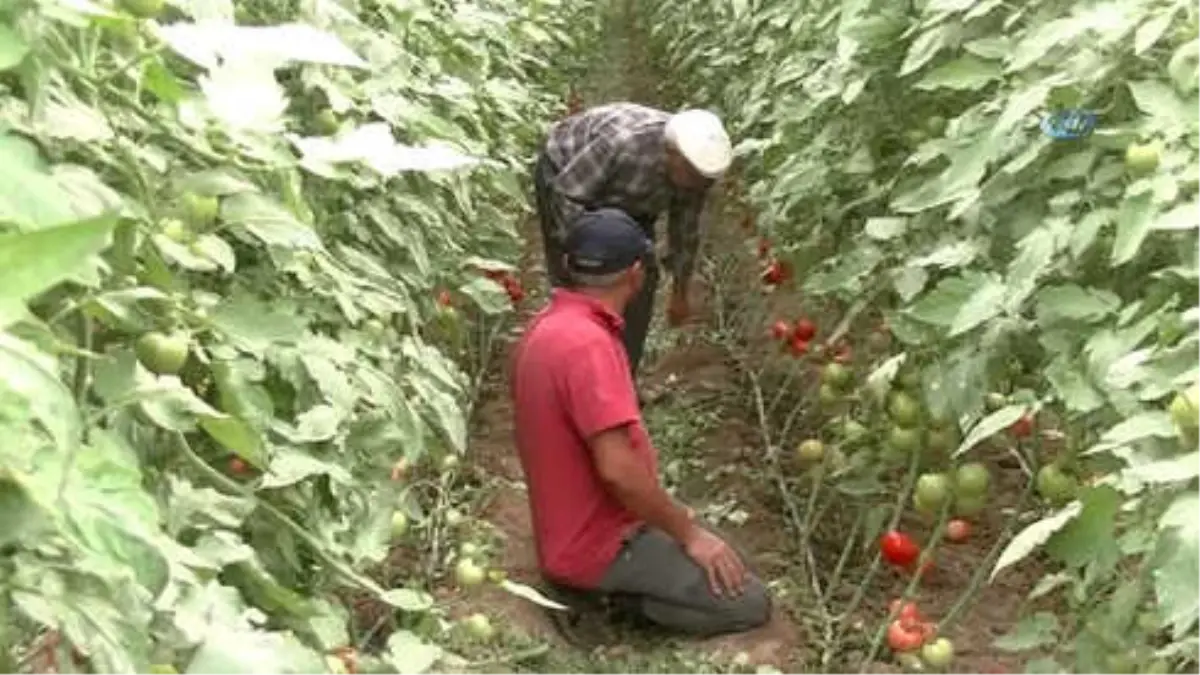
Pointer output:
x,y
678,309
726,572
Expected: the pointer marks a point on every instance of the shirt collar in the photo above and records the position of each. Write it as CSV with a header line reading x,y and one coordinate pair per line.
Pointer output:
x,y
562,297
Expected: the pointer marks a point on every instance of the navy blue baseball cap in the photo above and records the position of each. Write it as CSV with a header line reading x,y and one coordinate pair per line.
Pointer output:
x,y
605,241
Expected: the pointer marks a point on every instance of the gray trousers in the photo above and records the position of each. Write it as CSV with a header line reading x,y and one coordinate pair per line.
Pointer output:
x,y
670,589
639,312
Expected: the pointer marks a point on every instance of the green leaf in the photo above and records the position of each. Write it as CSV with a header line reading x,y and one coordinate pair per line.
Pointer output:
x,y
33,377
30,196
1076,303
268,221
289,467
882,229
409,654
1072,385
990,425
1170,115
1133,224
1090,538
407,600
237,437
13,47
1183,217
31,262
942,304
487,295
1172,470
1034,535
1149,33
254,325
927,45
1033,631
1177,564
984,304
1184,64
967,73
1139,427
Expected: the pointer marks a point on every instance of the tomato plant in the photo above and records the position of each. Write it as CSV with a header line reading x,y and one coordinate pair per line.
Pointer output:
x,y
1024,223
241,247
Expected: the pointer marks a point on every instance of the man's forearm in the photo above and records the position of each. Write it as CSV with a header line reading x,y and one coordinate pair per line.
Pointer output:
x,y
638,491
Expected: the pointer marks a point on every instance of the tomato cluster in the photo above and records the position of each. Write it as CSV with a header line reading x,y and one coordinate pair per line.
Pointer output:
x,y
512,285
795,338
775,271
909,631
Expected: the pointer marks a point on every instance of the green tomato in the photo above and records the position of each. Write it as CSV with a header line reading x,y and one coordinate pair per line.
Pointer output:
x,y
480,627
1185,411
904,410
399,525
810,450
936,125
853,432
468,573
828,396
837,376
972,479
938,653
454,518
969,505
327,122
175,230
910,380
1055,486
201,210
941,441
932,491
903,442
162,354
468,549
1142,158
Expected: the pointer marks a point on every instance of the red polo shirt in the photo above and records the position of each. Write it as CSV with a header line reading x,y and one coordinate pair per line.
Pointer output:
x,y
570,381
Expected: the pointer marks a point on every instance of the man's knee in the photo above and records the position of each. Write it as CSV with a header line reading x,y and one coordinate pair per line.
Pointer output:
x,y
752,608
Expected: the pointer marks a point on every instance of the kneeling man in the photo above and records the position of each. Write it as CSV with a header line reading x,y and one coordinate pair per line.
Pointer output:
x,y
602,521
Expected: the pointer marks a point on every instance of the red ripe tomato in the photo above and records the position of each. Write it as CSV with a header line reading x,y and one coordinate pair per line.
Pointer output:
x,y
773,275
444,299
799,347
906,611
958,530
805,329
495,275
898,548
764,247
902,636
237,466
516,294
780,329
927,630
1022,428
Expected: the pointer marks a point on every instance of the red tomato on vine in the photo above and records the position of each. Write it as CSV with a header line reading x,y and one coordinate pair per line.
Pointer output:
x,y
898,548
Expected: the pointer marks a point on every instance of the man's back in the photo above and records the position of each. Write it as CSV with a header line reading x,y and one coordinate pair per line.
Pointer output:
x,y
570,380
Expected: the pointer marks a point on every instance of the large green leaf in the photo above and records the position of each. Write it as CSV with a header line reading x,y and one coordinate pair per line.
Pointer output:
x,y
31,262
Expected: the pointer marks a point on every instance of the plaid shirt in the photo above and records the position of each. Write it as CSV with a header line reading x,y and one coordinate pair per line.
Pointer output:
x,y
612,156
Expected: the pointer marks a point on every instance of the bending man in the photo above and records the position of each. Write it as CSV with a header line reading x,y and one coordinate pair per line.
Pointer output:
x,y
642,161
601,519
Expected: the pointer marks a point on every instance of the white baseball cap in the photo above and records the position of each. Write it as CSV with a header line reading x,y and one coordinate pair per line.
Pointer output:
x,y
701,139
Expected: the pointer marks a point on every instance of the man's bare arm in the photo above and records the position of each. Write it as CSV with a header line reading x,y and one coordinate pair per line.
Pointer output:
x,y
636,487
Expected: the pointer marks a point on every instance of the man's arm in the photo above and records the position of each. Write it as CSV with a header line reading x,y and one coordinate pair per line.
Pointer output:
x,y
603,405
579,183
632,483
683,235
